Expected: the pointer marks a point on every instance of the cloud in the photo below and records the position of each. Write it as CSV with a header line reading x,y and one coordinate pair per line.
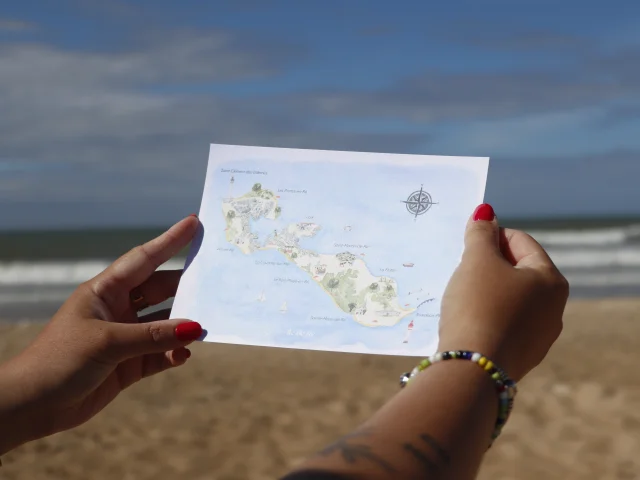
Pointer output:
x,y
128,127
8,25
7,166
619,114
440,97
621,66
83,101
594,79
178,58
133,127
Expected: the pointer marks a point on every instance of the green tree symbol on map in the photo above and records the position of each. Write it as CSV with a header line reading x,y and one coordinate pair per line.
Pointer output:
x,y
256,187
333,283
373,286
352,306
231,215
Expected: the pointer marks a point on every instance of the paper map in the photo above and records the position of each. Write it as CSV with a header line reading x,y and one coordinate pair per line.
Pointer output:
x,y
326,250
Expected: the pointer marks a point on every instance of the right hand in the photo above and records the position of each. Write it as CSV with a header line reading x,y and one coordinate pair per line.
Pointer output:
x,y
97,344
506,298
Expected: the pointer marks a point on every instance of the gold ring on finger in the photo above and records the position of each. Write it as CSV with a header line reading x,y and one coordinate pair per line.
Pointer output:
x,y
138,301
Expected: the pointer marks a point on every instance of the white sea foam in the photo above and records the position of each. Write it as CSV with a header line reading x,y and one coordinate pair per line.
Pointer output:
x,y
587,237
588,251
32,297
58,273
76,272
596,258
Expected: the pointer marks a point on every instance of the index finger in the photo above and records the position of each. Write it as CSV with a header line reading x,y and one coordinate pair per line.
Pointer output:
x,y
522,250
137,265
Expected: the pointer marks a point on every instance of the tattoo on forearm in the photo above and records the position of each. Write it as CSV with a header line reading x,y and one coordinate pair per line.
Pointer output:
x,y
435,446
421,457
428,452
427,461
352,452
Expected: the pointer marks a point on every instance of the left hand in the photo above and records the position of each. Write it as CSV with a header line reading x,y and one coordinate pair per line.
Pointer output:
x,y
96,345
505,300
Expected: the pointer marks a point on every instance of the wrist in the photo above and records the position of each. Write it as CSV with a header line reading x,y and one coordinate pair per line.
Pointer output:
x,y
20,418
488,346
9,430
504,386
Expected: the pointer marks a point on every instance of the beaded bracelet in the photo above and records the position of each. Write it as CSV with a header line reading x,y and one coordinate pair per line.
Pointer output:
x,y
506,388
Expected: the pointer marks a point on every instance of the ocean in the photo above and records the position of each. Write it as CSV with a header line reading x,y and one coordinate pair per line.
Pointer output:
x,y
39,269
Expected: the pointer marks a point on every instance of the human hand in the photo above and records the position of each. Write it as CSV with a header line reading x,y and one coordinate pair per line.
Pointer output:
x,y
506,298
96,345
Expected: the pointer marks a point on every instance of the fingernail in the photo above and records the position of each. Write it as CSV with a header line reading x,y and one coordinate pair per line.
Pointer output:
x,y
188,352
484,212
193,215
188,331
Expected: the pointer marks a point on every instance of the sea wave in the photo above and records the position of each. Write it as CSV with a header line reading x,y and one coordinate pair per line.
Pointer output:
x,y
34,297
75,272
67,273
588,237
595,258
59,273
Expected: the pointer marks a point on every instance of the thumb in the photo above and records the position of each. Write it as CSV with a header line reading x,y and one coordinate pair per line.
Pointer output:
x,y
481,235
135,339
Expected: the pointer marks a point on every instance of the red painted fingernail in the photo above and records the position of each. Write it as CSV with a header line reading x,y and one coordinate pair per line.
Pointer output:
x,y
484,212
186,332
193,215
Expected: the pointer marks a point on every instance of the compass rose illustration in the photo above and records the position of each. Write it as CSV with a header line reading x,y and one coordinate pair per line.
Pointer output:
x,y
419,202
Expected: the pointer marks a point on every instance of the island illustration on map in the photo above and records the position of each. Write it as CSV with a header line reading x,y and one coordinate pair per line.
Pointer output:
x,y
371,300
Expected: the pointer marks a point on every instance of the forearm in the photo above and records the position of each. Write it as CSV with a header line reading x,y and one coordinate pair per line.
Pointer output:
x,y
20,421
438,427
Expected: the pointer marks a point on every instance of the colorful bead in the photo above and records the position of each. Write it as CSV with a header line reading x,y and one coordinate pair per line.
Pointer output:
x,y
475,357
482,361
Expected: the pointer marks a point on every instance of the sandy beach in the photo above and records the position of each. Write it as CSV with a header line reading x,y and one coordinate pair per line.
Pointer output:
x,y
251,413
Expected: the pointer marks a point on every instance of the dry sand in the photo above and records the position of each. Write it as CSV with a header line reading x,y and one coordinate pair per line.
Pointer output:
x,y
251,413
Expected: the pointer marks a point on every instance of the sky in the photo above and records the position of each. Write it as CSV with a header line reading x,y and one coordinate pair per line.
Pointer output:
x,y
107,109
